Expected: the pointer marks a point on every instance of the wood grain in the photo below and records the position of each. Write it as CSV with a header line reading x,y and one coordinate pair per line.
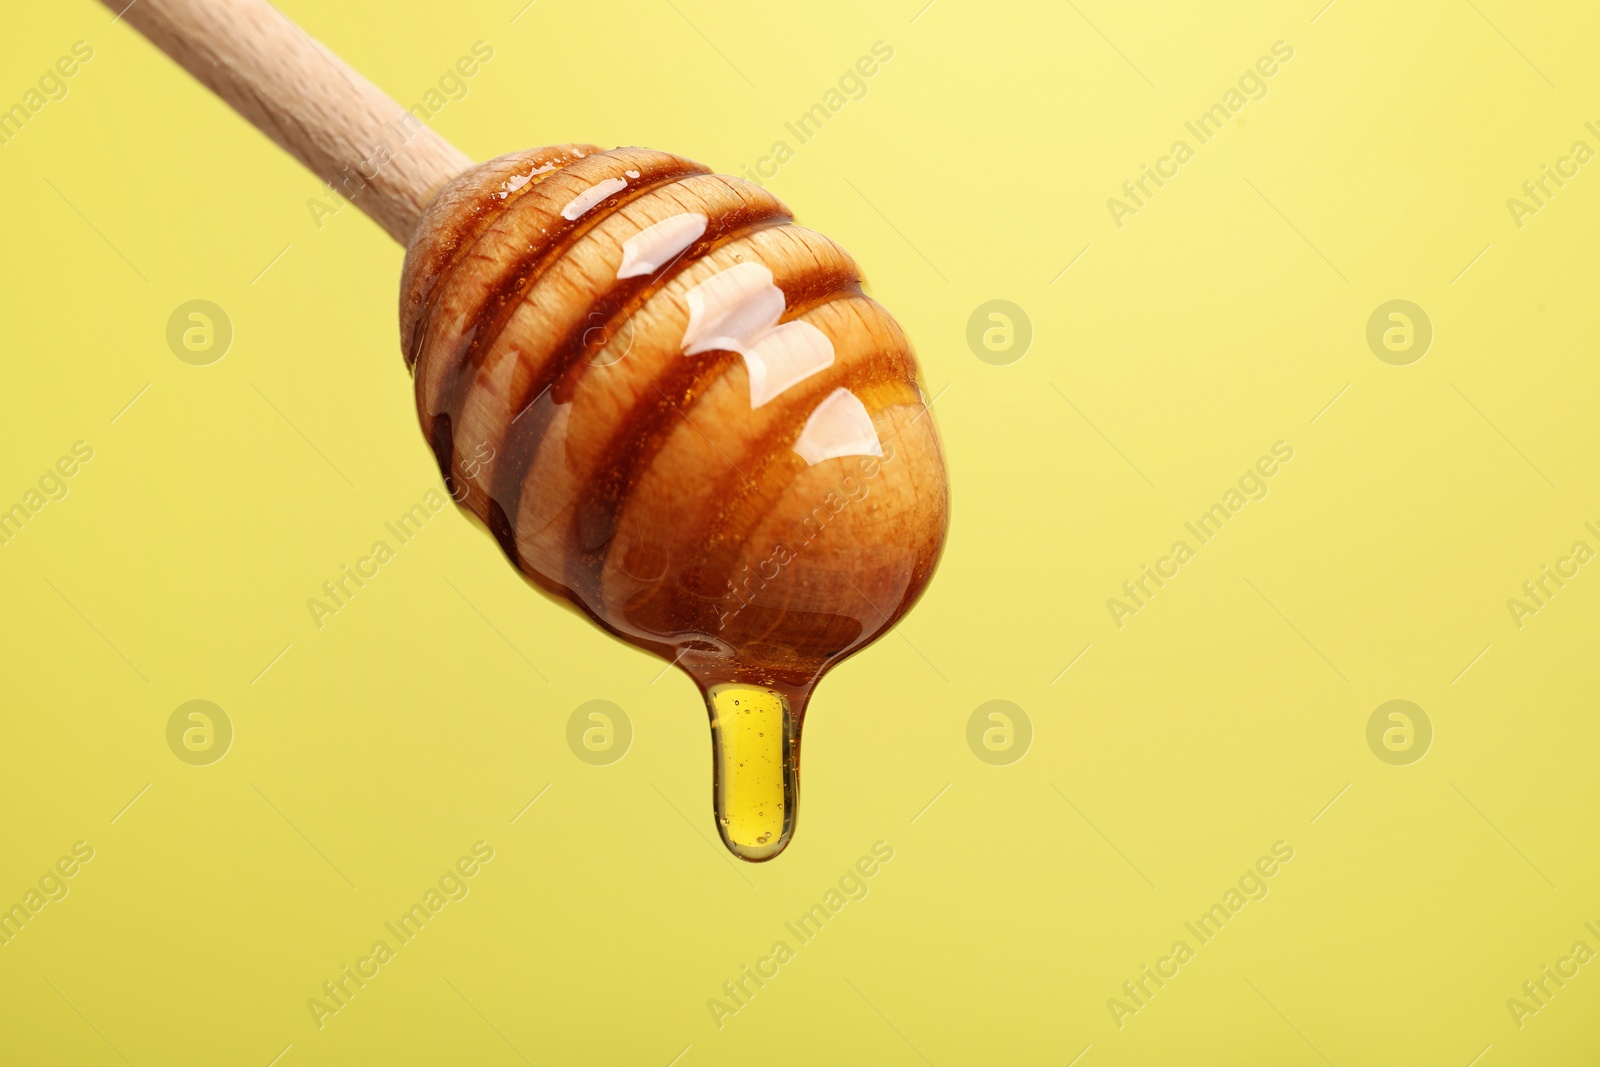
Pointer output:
x,y
656,487
672,406
341,126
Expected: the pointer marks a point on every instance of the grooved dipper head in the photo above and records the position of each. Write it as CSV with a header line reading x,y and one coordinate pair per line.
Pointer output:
x,y
675,408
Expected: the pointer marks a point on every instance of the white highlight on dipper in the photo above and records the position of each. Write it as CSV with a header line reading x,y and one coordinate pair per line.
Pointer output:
x,y
649,249
517,181
840,426
731,309
784,356
591,196
737,310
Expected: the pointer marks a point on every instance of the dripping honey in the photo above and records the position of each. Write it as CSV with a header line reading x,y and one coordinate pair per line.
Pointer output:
x,y
554,383
755,743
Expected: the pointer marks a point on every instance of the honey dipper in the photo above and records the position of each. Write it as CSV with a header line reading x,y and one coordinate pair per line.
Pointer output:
x,y
669,404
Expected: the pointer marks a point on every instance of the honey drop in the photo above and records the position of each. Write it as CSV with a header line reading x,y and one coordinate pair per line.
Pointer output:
x,y
756,768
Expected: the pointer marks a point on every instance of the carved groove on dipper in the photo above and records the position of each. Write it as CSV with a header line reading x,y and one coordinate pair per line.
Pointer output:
x,y
566,364
454,224
521,276
631,418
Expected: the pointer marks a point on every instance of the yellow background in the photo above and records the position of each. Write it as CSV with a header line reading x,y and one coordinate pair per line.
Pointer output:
x,y
1225,716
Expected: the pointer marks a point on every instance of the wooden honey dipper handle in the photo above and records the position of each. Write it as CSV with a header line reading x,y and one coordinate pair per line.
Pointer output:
x,y
672,406
341,126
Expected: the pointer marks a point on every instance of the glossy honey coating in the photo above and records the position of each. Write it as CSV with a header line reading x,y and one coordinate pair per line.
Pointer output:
x,y
674,408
